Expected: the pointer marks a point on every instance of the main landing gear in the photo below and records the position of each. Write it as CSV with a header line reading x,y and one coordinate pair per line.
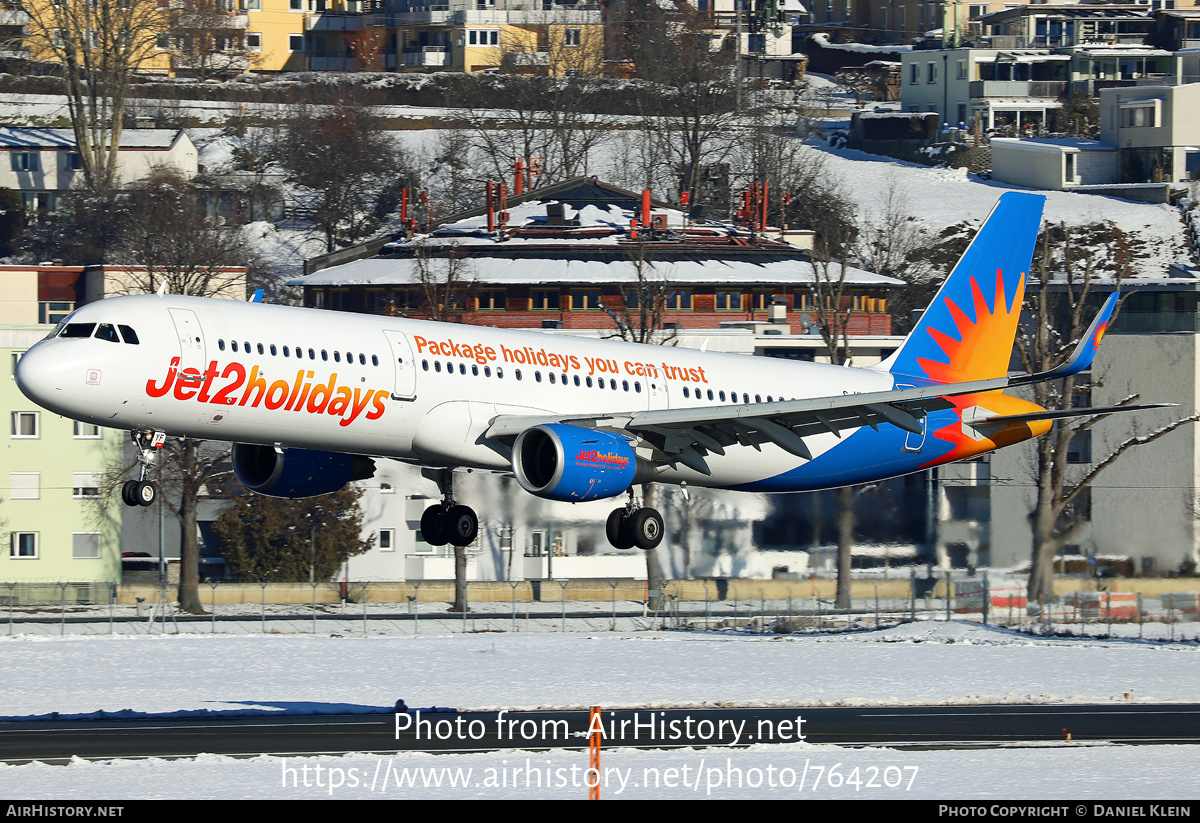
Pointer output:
x,y
447,522
632,526
142,492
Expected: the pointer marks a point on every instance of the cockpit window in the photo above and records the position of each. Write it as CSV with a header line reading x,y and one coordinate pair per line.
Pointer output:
x,y
108,333
78,330
129,334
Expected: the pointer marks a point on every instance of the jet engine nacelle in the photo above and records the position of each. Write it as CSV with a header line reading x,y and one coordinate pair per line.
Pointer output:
x,y
575,464
296,473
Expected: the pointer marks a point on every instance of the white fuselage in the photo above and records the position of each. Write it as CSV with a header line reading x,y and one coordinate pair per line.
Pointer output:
x,y
413,390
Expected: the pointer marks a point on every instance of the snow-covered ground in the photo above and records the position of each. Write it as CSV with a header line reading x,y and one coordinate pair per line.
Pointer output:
x,y
913,664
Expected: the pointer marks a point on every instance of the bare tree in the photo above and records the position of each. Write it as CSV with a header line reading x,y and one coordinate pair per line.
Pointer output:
x,y
167,239
349,173
100,45
1059,313
446,280
639,319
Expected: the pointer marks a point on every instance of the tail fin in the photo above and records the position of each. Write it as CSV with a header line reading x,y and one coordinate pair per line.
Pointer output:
x,y
967,332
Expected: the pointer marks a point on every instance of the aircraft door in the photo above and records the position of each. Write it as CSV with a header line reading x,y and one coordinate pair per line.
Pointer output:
x,y
191,340
403,363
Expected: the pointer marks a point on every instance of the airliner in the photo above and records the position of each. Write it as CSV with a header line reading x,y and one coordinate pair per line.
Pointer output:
x,y
311,398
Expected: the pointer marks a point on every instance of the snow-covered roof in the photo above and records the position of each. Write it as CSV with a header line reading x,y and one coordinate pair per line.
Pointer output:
x,y
1055,145
1123,51
16,138
383,271
822,39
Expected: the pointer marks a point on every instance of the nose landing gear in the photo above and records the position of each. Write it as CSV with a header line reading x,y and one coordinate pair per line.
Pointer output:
x,y
142,492
447,522
632,526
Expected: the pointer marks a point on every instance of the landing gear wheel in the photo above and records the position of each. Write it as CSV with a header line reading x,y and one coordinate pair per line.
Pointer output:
x,y
145,493
459,525
617,530
646,528
127,493
431,526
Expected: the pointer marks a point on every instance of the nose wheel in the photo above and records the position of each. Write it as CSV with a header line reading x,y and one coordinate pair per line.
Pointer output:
x,y
641,528
142,492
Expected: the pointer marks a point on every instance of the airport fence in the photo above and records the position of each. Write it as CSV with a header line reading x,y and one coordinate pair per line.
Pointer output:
x,y
1147,609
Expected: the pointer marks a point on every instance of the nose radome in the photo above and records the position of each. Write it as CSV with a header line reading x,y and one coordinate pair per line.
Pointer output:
x,y
42,376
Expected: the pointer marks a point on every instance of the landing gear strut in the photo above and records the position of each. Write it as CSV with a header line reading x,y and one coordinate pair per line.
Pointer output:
x,y
142,492
447,522
632,526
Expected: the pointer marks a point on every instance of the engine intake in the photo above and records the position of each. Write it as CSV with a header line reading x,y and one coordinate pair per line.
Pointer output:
x,y
574,464
296,473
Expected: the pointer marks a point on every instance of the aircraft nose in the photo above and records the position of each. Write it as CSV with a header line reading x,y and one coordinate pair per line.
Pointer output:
x,y
42,375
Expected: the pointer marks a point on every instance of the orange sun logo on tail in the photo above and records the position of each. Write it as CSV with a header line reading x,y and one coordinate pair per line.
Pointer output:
x,y
982,347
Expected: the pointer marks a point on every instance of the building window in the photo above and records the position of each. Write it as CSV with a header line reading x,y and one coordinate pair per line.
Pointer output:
x,y
253,5
16,358
24,545
571,37
85,545
1143,114
24,485
1079,450
73,161
729,301
54,312
544,300
678,300
296,42
85,485
387,540
253,41
25,424
86,431
24,160
914,73
962,69
491,300
585,300
931,74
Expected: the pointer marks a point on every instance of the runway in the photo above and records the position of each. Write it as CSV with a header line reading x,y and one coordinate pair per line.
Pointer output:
x,y
446,730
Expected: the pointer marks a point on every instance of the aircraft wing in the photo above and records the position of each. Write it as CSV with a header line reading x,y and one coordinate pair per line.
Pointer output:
x,y
686,435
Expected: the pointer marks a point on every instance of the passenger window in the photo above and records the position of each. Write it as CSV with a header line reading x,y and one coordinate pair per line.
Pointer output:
x,y
375,360
260,348
233,345
537,376
108,333
576,380
362,360
685,391
129,334
462,367
499,374
722,396
518,374
221,345
625,385
246,347
487,371
474,371
324,354
437,365
337,357
758,398
312,355
589,382
612,384
550,375
425,365
637,387
272,349
710,394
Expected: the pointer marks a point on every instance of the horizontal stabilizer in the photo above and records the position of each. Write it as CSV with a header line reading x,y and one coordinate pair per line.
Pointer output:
x,y
1060,414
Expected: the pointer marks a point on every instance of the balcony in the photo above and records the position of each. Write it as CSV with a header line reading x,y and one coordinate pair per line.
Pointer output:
x,y
580,15
1018,88
326,21
426,56
233,21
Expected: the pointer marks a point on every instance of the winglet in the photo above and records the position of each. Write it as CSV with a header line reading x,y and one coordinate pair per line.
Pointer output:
x,y
162,288
1085,351
257,297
